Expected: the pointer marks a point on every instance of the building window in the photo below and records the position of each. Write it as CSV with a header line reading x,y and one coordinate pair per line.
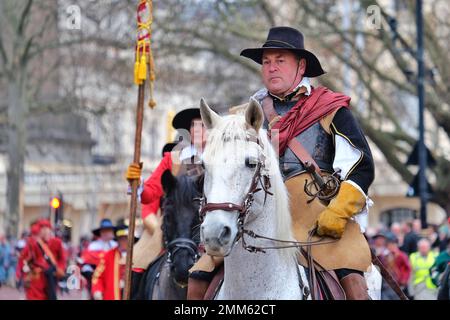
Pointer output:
x,y
397,215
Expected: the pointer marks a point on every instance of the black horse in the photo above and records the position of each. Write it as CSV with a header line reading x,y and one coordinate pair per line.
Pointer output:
x,y
166,278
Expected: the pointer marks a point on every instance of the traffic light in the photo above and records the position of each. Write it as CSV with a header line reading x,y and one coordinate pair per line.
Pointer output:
x,y
56,207
55,203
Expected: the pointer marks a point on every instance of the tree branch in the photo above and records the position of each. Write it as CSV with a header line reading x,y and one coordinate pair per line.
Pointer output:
x,y
24,15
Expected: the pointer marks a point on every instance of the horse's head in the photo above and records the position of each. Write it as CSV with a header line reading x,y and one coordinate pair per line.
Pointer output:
x,y
233,157
180,221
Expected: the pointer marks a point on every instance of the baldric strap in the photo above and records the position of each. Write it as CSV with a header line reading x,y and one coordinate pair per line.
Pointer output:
x,y
46,250
296,147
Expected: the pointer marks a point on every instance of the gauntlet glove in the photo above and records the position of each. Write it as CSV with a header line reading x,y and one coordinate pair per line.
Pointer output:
x,y
348,202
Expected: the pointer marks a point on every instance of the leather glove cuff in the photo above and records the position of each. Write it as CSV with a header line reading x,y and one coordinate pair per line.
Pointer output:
x,y
348,202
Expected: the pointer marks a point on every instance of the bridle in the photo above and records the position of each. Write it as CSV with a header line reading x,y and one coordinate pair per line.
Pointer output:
x,y
175,246
244,208
181,243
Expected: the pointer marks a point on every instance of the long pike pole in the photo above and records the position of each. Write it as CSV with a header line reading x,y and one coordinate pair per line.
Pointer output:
x,y
134,188
143,58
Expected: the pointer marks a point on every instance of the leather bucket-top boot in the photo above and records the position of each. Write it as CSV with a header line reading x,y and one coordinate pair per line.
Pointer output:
x,y
355,287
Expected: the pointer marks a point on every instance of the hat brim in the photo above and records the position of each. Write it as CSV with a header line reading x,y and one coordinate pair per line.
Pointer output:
x,y
168,147
118,236
313,67
96,232
183,119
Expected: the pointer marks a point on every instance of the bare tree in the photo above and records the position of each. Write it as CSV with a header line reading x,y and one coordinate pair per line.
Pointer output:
x,y
26,26
36,64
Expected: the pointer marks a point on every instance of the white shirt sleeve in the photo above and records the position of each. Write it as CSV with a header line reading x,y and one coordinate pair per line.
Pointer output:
x,y
346,158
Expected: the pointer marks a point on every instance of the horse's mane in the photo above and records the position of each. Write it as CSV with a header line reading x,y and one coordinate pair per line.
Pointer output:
x,y
233,128
185,190
183,193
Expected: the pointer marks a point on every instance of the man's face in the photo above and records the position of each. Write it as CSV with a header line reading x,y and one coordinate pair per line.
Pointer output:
x,y
107,234
379,242
423,247
198,132
417,225
281,71
406,228
122,242
392,246
45,233
396,229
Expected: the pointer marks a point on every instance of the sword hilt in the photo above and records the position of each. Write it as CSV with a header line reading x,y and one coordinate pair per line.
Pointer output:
x,y
311,169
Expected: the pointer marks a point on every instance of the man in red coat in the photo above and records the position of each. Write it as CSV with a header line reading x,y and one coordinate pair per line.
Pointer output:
x,y
399,263
90,257
41,262
108,280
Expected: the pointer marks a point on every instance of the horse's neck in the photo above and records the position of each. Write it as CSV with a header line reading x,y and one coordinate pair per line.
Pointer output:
x,y
259,275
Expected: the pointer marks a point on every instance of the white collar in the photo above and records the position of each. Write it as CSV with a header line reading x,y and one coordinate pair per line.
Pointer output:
x,y
262,93
188,152
306,84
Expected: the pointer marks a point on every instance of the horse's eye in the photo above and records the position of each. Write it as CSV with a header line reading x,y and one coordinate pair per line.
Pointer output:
x,y
250,162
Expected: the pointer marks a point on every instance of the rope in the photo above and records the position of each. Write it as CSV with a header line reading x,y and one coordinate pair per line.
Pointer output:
x,y
143,44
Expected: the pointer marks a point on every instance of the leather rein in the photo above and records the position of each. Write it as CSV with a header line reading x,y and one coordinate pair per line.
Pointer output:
x,y
244,208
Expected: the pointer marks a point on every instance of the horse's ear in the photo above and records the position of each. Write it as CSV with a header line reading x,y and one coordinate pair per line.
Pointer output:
x,y
168,181
209,117
254,115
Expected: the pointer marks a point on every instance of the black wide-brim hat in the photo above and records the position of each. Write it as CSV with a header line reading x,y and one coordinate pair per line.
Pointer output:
x,y
289,39
183,119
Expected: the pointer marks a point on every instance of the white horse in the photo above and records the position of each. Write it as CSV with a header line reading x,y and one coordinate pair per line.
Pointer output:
x,y
235,144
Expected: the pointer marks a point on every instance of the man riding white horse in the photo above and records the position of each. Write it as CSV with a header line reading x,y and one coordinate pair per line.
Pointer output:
x,y
312,126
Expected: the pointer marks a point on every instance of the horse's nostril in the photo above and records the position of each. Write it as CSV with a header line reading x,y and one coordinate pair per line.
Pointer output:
x,y
225,235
